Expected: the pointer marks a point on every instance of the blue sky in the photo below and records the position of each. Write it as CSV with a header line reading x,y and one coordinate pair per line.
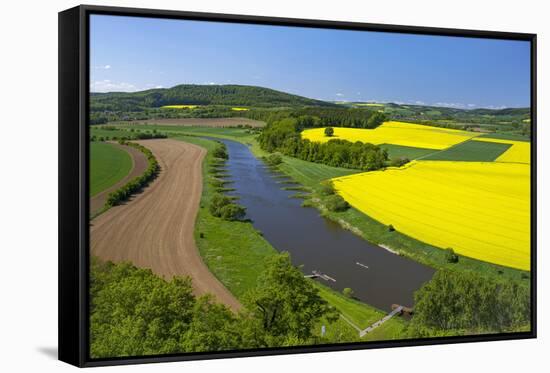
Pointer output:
x,y
131,54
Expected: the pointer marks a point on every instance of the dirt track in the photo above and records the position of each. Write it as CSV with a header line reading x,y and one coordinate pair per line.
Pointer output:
x,y
155,229
139,165
204,122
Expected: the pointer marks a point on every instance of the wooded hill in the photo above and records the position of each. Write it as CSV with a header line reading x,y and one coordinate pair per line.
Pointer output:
x,y
191,94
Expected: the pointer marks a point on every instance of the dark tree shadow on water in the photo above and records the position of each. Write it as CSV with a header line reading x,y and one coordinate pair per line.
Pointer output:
x,y
50,352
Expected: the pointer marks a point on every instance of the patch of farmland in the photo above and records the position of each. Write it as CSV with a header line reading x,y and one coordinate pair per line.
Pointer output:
x,y
309,173
108,165
179,106
519,151
202,122
480,209
396,133
506,136
471,151
109,134
199,131
400,151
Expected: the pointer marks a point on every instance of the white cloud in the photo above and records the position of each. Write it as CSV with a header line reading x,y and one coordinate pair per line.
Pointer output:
x,y
455,105
339,94
102,67
210,83
108,86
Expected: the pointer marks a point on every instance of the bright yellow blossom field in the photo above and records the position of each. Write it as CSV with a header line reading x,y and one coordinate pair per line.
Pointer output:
x,y
179,106
396,133
479,209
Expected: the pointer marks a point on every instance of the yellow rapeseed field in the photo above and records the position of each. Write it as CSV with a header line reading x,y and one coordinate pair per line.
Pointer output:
x,y
480,209
519,152
239,109
396,133
179,106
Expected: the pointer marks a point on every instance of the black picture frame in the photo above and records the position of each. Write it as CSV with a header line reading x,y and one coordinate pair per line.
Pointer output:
x,y
73,150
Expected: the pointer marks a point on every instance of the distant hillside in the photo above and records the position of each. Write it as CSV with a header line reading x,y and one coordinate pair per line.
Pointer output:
x,y
191,94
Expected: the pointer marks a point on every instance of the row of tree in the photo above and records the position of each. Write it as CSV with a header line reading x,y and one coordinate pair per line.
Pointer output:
x,y
284,136
133,312
136,184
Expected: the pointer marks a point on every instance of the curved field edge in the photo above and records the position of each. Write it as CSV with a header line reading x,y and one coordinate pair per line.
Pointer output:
x,y
108,165
236,253
134,185
354,220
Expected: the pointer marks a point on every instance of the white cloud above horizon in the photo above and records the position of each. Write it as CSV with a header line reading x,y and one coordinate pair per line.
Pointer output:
x,y
106,85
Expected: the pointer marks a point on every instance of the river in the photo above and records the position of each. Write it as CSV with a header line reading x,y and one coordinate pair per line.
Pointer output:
x,y
377,276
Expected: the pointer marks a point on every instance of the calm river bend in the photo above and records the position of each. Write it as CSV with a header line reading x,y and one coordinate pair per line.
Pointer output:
x,y
318,244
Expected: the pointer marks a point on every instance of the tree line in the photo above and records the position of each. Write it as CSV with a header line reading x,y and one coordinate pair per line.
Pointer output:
x,y
133,312
136,184
284,136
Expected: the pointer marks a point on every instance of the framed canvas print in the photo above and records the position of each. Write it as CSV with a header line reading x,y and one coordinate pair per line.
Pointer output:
x,y
235,186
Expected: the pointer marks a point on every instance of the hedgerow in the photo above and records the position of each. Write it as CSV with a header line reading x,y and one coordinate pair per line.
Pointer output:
x,y
138,183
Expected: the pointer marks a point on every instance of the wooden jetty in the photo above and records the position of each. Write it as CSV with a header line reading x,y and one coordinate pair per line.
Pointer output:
x,y
317,274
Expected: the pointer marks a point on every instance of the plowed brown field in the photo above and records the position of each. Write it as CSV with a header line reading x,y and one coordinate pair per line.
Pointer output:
x,y
155,229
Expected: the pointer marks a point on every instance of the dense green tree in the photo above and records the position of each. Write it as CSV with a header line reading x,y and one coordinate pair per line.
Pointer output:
x,y
329,131
284,306
284,136
223,207
455,302
221,151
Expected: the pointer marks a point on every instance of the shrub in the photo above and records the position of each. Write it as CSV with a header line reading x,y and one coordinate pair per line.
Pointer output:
x,y
220,151
222,206
450,256
336,203
398,162
134,185
329,131
326,188
348,292
391,228
274,159
232,211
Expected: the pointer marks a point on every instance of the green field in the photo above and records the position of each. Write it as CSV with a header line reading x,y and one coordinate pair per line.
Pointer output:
x,y
309,173
470,151
235,252
108,165
507,136
398,151
199,131
109,134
